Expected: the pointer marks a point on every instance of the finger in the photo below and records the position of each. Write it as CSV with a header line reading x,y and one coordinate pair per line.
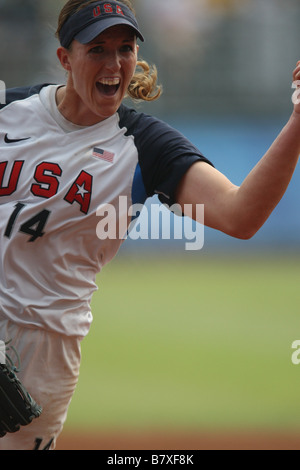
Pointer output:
x,y
296,73
296,77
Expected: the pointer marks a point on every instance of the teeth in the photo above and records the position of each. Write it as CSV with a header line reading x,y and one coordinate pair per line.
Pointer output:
x,y
109,81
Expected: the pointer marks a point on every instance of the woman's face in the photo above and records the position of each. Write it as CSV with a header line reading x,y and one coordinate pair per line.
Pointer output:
x,y
99,75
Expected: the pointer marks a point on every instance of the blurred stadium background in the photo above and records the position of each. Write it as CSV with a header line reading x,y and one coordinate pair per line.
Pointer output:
x,y
193,341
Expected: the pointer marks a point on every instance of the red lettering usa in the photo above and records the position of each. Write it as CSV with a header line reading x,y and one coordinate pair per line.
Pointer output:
x,y
43,178
80,191
13,178
47,183
107,9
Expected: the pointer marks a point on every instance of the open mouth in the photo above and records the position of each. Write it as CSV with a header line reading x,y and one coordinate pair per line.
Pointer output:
x,y
108,86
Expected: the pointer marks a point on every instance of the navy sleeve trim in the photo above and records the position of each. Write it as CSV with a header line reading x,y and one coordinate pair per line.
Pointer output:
x,y
21,93
165,155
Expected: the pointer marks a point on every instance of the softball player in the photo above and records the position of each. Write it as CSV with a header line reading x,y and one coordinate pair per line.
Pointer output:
x,y
67,149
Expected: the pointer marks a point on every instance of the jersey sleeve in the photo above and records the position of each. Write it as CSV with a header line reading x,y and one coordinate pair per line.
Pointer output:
x,y
21,93
165,155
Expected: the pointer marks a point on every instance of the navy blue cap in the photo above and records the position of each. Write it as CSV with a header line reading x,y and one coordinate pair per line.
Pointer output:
x,y
89,22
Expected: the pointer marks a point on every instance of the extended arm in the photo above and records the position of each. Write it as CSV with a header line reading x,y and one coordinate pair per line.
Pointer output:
x,y
241,211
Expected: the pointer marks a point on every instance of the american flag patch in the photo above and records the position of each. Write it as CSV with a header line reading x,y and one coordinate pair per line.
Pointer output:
x,y
104,155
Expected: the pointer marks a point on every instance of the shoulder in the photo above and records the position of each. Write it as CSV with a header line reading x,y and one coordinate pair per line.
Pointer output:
x,y
137,122
151,133
21,93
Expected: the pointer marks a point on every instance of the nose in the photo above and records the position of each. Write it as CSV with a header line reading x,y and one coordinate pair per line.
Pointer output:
x,y
113,62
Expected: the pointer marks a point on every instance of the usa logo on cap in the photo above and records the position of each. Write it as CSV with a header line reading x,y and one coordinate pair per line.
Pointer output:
x,y
107,8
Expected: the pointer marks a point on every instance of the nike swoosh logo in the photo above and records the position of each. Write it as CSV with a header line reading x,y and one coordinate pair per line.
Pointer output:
x,y
13,141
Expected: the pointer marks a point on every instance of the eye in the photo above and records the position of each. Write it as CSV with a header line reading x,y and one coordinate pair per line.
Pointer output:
x,y
96,50
127,48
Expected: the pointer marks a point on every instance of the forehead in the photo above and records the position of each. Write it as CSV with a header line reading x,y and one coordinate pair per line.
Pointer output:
x,y
117,33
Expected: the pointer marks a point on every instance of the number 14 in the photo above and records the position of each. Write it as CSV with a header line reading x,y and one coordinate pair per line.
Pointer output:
x,y
33,227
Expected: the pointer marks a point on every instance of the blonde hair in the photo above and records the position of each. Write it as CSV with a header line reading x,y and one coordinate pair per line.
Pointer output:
x,y
143,85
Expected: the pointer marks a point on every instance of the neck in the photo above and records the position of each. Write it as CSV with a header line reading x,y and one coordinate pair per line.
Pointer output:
x,y
72,109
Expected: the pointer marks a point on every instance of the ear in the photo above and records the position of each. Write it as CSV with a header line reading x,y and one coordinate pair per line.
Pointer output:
x,y
63,56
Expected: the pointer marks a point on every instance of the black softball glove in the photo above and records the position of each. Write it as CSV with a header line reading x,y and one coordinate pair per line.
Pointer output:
x,y
17,407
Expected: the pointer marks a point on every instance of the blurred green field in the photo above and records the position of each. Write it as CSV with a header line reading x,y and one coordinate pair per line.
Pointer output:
x,y
192,342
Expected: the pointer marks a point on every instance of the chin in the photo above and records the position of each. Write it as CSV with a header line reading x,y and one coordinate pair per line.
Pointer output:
x,y
107,109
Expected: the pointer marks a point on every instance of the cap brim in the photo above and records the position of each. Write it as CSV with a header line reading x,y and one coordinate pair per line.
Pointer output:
x,y
89,33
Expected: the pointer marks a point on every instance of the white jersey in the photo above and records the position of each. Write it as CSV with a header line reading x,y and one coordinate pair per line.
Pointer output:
x,y
54,175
